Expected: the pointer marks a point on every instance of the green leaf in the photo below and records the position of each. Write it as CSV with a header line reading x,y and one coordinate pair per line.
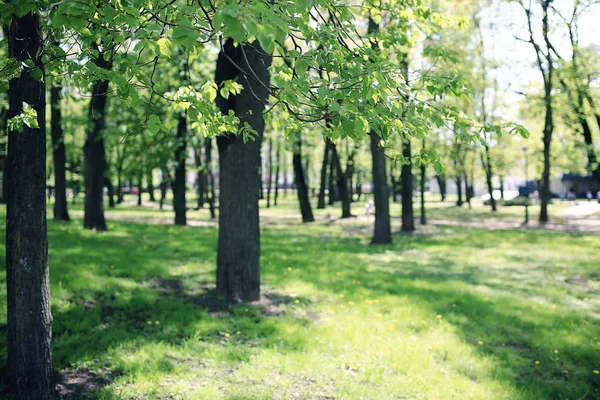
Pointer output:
x,y
185,34
234,28
439,168
165,46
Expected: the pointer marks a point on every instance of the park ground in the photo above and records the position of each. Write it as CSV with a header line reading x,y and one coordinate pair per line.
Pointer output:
x,y
449,312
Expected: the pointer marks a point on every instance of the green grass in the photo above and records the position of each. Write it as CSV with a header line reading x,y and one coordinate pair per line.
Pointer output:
x,y
441,314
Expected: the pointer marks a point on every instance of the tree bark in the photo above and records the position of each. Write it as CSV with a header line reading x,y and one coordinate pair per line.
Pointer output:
x,y
342,183
210,176
269,172
238,256
486,163
29,318
93,150
382,232
323,180
201,178
277,166
331,184
408,217
301,186
179,184
150,185
61,212
111,192
441,180
458,180
140,189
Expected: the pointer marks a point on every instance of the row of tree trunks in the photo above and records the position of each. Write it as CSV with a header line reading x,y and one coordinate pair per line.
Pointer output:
x,y
27,279
238,255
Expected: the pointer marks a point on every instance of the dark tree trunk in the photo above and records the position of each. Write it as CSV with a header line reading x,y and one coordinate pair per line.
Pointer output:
x,y
179,184
61,212
350,171
119,184
150,185
342,183
302,188
502,188
441,180
238,256
163,188
331,184
408,217
140,189
285,177
423,184
458,179
277,166
210,176
29,319
270,172
323,180
486,163
111,192
93,150
382,232
201,178
468,189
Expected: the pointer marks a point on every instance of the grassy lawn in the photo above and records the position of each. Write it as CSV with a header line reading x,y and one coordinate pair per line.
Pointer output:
x,y
446,313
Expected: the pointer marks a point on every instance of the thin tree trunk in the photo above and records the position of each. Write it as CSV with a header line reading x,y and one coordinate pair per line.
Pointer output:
x,y
501,188
458,180
342,183
487,168
150,185
277,166
408,217
119,184
61,212
210,176
284,171
270,172
323,180
441,180
382,232
163,188
179,184
201,178
93,150
302,188
331,183
29,318
111,192
238,255
140,189
423,182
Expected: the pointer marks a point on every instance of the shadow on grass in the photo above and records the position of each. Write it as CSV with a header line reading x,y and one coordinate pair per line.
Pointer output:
x,y
150,285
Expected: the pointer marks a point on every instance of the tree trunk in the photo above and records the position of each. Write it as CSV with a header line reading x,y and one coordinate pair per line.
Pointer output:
x,y
342,183
61,212
468,189
179,184
302,188
277,165
163,188
201,178
441,180
382,232
323,180
93,150
487,167
423,183
29,319
331,183
140,189
458,178
111,192
270,172
210,176
119,184
238,256
501,188
150,185
284,171
408,217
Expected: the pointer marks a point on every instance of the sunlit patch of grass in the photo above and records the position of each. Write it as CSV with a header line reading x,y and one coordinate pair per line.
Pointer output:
x,y
450,314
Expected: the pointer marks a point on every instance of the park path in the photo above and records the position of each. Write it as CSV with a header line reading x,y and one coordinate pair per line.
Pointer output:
x,y
581,210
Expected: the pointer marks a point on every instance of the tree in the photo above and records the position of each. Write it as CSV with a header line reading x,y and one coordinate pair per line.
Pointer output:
x,y
93,150
301,186
61,212
27,277
545,65
179,182
238,255
408,217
